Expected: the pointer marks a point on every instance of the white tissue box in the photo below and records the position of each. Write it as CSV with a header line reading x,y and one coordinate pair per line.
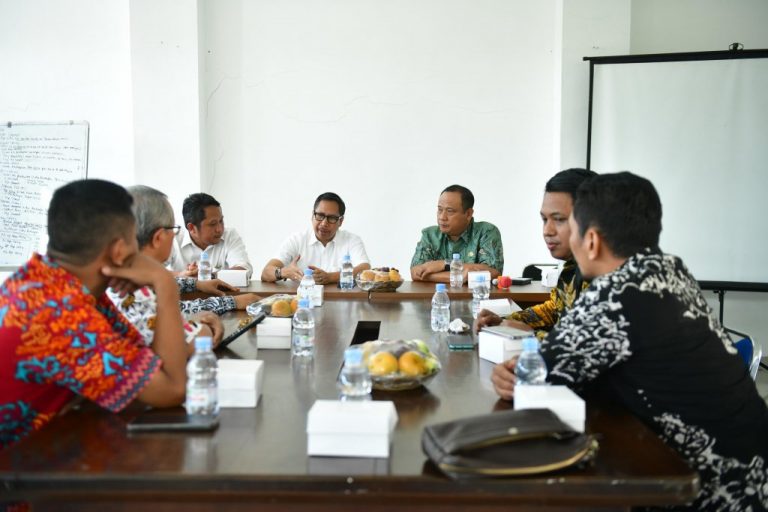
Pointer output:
x,y
500,343
317,295
274,333
350,428
233,277
502,307
568,406
240,382
550,275
473,275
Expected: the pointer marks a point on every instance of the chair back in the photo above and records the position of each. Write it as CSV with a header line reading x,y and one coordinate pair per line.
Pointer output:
x,y
749,351
533,271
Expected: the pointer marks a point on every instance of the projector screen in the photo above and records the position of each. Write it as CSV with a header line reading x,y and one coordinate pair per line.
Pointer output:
x,y
698,129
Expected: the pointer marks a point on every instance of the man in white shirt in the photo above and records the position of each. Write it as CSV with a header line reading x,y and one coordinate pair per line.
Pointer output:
x,y
321,248
204,221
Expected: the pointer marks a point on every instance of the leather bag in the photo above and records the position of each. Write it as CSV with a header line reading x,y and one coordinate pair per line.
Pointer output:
x,y
506,443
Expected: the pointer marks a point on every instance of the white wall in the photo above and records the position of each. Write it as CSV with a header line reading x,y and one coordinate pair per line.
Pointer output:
x,y
166,106
661,26
62,60
385,103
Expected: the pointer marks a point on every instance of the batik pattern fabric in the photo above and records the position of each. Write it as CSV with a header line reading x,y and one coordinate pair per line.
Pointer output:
x,y
57,341
218,305
479,243
543,317
646,333
140,308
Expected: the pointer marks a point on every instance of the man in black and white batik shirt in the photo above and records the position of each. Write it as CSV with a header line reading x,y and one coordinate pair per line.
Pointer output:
x,y
643,331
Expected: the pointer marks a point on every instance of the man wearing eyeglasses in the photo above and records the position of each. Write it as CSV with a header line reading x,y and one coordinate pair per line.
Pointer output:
x,y
478,243
205,231
321,248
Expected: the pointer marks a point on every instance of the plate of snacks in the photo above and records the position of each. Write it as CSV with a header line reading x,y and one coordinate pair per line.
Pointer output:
x,y
279,305
396,365
382,279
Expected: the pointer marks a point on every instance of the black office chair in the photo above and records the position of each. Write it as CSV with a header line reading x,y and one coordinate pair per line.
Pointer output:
x,y
748,349
534,272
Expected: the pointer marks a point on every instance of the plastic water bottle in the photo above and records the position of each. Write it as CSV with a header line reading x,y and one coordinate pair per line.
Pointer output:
x,y
202,383
531,370
346,278
441,309
306,286
479,293
354,379
457,271
303,335
204,272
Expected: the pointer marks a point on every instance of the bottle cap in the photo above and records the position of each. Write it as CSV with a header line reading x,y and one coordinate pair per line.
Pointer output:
x,y
456,256
353,356
307,271
531,344
347,257
304,303
480,278
204,255
440,287
203,343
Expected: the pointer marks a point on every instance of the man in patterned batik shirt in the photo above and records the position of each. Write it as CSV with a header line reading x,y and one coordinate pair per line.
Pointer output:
x,y
478,243
643,332
555,209
61,336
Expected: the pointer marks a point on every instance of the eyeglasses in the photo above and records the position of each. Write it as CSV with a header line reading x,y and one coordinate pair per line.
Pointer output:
x,y
332,219
176,229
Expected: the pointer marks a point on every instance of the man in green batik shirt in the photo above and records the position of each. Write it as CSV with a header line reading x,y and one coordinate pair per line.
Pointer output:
x,y
479,243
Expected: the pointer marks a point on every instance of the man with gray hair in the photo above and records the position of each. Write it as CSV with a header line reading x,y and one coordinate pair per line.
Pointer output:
x,y
155,232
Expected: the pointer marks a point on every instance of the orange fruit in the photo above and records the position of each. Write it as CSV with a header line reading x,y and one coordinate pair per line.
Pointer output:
x,y
382,363
281,308
412,364
394,275
294,305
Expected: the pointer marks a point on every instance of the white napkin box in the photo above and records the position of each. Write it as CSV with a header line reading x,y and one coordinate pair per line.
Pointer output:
x,y
500,343
237,277
317,295
502,307
568,406
550,275
240,382
350,428
472,278
274,333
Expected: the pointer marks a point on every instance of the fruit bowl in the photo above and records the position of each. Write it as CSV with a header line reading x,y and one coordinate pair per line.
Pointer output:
x,y
286,308
396,365
383,279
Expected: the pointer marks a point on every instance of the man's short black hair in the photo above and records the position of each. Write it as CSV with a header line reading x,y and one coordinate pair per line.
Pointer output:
x,y
330,196
467,197
568,181
624,208
85,216
194,207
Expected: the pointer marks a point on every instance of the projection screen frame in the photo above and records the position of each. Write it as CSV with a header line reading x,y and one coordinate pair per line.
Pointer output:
x,y
720,287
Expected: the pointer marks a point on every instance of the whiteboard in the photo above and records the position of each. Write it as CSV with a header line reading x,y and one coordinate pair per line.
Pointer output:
x,y
698,129
35,160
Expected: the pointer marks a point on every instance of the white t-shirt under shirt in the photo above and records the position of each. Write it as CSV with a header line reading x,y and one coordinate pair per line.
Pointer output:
x,y
229,252
327,258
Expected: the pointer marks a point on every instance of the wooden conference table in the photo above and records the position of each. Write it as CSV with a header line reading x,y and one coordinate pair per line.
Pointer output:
x,y
256,459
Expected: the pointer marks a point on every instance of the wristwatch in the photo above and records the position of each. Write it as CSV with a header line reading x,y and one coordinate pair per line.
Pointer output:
x,y
447,267
278,274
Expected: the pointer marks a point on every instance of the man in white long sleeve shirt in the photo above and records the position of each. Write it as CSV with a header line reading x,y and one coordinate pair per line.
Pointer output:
x,y
205,231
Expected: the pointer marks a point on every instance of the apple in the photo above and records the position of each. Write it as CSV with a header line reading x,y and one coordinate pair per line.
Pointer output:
x,y
505,282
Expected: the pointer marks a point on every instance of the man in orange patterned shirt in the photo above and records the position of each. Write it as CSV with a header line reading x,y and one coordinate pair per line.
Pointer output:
x,y
61,336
